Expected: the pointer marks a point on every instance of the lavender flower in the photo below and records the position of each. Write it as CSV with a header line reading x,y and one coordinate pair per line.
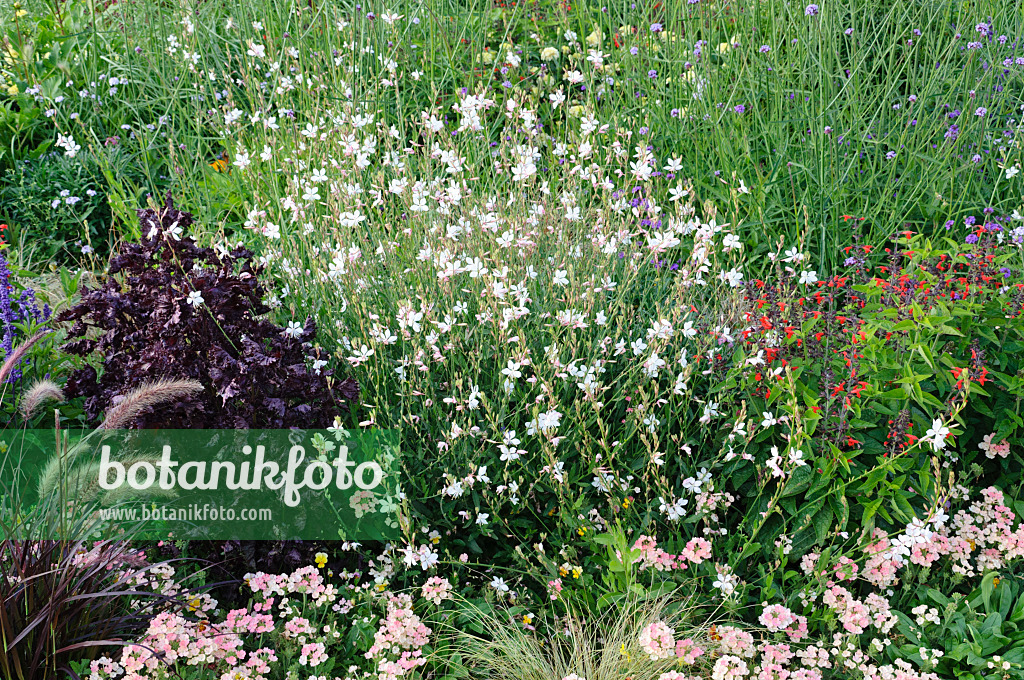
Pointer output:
x,y
16,311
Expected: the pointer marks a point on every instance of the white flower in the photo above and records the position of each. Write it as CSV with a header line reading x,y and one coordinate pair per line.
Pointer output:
x,y
294,329
1012,171
512,370
195,298
523,171
733,277
936,436
360,355
808,276
499,584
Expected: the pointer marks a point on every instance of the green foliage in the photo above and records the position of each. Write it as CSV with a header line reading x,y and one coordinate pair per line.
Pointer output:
x,y
975,633
58,207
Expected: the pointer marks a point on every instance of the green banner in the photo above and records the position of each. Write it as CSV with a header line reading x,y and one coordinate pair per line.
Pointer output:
x,y
201,484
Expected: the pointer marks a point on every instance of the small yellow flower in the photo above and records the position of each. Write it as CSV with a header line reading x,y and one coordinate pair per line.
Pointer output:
x,y
625,504
527,619
193,604
381,587
576,572
321,559
581,531
995,581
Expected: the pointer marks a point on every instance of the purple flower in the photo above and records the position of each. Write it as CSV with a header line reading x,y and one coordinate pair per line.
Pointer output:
x,y
811,10
652,74
656,28
15,311
980,112
739,108
848,31
765,49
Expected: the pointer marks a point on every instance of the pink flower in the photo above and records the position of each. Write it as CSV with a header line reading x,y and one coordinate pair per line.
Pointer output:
x,y
776,617
658,641
687,651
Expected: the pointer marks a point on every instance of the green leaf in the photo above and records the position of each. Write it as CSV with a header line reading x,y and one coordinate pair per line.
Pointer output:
x,y
822,523
798,481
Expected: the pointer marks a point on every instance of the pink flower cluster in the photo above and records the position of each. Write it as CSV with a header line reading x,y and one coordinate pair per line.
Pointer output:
x,y
169,639
658,641
778,618
399,641
694,552
175,640
977,539
437,590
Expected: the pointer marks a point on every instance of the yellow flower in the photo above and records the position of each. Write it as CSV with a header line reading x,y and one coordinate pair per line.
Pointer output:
x,y
193,604
595,37
625,504
995,582
581,531
321,559
576,572
724,47
381,587
527,619
549,54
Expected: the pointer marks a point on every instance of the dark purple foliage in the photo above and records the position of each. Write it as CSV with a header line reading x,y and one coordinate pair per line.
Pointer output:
x,y
142,325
